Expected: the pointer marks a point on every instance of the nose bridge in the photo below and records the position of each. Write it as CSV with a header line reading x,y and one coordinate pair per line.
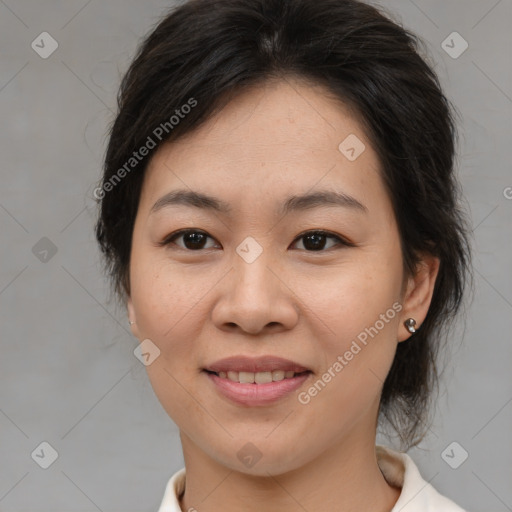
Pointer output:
x,y
254,296
251,268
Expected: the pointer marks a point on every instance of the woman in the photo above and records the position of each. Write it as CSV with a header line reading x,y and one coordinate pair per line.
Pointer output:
x,y
280,217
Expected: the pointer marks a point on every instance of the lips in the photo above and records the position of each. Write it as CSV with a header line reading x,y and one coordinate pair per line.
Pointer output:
x,y
257,395
255,365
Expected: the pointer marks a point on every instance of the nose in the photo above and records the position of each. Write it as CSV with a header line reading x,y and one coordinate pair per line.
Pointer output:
x,y
255,298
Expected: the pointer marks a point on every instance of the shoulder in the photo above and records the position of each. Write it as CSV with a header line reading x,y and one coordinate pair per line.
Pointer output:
x,y
174,488
417,495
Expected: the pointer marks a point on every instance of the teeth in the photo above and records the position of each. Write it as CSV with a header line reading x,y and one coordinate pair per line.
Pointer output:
x,y
258,377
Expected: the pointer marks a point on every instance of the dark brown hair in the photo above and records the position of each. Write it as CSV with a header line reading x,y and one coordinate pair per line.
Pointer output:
x,y
204,52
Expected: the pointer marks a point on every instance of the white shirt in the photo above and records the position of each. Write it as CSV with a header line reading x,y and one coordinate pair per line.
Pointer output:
x,y
398,469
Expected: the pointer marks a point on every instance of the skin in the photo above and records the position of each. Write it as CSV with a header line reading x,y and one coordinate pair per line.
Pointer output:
x,y
201,305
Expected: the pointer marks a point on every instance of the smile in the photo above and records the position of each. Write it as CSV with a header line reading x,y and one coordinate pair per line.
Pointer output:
x,y
258,377
256,393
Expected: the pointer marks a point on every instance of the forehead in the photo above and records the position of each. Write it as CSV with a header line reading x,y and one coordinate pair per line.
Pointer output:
x,y
289,112
278,135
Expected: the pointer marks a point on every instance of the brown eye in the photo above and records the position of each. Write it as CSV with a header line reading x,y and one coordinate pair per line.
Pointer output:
x,y
316,241
313,241
193,239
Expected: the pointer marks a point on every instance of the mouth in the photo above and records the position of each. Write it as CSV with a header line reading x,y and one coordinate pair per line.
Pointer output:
x,y
256,381
258,377
257,389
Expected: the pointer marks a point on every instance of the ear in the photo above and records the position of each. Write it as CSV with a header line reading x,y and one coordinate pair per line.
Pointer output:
x,y
418,294
132,317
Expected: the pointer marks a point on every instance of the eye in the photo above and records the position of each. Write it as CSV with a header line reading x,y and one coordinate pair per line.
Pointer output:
x,y
315,241
193,239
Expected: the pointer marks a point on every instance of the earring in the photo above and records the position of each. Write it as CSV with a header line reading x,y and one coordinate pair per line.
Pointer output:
x,y
130,322
410,325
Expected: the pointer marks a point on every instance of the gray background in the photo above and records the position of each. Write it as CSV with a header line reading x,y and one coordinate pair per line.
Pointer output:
x,y
68,373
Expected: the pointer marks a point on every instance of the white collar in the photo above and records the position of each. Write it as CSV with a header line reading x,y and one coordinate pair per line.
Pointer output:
x,y
399,470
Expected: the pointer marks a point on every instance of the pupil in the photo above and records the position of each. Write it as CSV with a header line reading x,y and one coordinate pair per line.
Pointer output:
x,y
195,239
318,241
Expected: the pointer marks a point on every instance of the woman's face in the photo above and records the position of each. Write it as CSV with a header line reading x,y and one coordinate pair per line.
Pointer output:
x,y
252,278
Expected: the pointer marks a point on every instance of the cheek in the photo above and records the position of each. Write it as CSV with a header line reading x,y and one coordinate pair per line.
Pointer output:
x,y
356,315
343,302
168,298
170,313
356,362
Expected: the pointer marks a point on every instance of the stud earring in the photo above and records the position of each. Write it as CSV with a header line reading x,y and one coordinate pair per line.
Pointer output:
x,y
410,325
130,322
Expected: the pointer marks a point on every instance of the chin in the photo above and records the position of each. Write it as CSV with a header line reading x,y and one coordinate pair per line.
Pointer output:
x,y
260,457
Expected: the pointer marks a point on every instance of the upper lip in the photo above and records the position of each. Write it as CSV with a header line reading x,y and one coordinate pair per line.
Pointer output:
x,y
255,364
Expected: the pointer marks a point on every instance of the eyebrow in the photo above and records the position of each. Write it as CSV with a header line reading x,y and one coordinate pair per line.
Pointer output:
x,y
292,203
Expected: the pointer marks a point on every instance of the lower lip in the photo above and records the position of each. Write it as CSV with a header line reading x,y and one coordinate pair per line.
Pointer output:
x,y
257,394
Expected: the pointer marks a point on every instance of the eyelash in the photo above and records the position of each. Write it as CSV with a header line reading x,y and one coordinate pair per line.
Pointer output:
x,y
168,240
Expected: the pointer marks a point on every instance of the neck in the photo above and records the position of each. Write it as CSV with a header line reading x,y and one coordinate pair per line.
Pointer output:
x,y
346,477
